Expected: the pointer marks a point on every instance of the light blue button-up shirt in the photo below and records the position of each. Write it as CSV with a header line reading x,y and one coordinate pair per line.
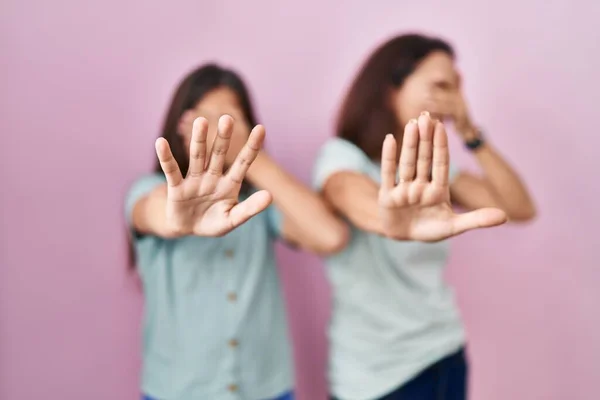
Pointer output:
x,y
393,315
214,321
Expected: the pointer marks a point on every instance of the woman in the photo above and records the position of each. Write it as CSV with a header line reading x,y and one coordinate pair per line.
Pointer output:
x,y
214,325
395,330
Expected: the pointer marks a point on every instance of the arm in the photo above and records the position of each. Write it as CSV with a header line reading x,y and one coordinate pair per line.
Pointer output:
x,y
148,216
340,176
417,207
499,186
307,221
355,196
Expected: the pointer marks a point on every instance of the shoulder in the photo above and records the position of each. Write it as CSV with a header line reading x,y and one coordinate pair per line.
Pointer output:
x,y
147,181
140,188
338,146
144,185
337,155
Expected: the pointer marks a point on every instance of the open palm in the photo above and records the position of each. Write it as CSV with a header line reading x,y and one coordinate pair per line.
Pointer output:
x,y
205,202
418,206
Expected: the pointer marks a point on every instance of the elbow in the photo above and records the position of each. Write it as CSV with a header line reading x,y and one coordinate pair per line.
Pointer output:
x,y
333,241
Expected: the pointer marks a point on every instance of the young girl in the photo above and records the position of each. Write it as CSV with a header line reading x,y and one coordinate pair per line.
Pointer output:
x,y
215,325
395,331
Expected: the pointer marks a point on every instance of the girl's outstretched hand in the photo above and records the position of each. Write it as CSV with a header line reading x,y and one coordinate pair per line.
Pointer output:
x,y
205,202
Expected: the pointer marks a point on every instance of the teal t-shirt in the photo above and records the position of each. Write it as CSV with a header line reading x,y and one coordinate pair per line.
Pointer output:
x,y
214,320
393,315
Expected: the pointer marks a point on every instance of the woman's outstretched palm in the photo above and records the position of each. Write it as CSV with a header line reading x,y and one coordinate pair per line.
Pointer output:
x,y
205,202
418,206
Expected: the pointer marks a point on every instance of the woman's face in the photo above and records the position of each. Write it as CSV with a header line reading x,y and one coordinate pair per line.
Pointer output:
x,y
213,105
431,87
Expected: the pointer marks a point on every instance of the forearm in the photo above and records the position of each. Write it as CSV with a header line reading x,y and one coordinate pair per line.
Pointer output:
x,y
505,183
368,218
308,221
149,215
355,196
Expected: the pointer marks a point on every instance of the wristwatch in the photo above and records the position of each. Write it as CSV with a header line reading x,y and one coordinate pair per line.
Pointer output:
x,y
476,143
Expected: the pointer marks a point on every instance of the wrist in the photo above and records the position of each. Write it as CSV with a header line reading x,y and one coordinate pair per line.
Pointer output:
x,y
470,132
391,222
174,232
475,141
257,169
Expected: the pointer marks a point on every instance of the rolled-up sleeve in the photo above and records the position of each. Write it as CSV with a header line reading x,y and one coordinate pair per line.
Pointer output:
x,y
337,155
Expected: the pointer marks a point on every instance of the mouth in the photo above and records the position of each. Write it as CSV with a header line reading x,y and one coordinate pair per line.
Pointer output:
x,y
437,116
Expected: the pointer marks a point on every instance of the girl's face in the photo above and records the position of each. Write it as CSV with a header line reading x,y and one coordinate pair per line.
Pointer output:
x,y
431,87
213,105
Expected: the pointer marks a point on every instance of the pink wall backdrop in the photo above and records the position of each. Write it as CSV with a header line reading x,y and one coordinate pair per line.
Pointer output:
x,y
84,86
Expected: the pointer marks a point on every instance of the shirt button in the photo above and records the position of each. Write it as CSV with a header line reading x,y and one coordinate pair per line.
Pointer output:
x,y
232,297
232,388
233,343
229,253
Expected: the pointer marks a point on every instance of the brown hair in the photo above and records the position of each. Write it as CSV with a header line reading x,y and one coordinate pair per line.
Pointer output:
x,y
366,115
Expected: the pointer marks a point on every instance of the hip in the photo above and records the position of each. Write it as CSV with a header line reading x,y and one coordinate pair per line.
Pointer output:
x,y
446,379
285,396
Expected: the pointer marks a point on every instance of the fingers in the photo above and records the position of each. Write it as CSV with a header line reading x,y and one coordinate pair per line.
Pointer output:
x,y
249,152
425,153
482,218
408,154
388,162
198,147
248,208
220,145
441,156
167,162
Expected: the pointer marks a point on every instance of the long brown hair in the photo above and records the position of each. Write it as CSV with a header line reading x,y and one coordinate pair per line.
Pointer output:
x,y
366,115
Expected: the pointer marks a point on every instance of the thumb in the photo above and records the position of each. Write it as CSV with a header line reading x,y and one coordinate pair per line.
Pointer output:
x,y
248,208
481,218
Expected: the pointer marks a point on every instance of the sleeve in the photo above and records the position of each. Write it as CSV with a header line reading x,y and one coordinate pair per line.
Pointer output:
x,y
453,172
335,156
275,221
140,188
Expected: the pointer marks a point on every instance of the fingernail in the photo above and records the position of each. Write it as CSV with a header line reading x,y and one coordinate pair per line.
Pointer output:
x,y
425,113
389,136
412,121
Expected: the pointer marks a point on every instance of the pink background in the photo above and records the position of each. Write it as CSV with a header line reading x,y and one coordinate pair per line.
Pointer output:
x,y
83,90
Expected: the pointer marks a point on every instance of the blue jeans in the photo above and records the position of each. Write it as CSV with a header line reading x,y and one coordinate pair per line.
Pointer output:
x,y
286,396
444,380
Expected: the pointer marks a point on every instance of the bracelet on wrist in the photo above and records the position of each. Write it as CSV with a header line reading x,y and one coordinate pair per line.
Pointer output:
x,y
476,143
